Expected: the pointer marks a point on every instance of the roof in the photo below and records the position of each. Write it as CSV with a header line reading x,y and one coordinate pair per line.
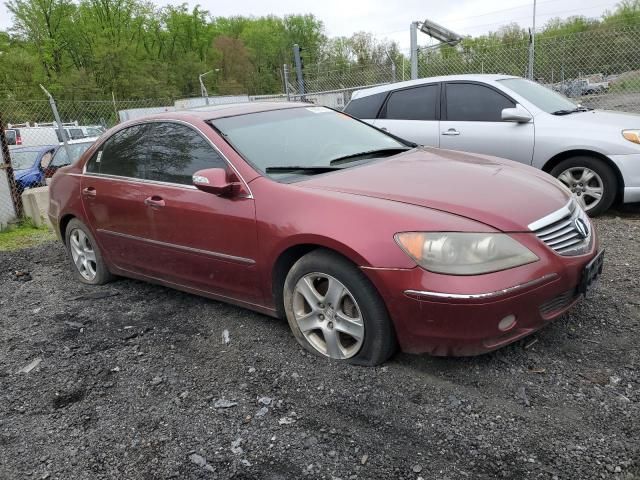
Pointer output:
x,y
365,92
212,112
34,148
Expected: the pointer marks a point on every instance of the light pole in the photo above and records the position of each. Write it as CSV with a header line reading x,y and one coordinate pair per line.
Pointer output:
x,y
203,89
440,33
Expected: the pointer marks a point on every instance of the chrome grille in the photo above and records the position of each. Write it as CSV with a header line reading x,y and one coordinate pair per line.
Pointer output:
x,y
559,230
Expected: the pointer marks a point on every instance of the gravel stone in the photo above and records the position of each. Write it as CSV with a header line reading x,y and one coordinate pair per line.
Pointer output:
x,y
454,418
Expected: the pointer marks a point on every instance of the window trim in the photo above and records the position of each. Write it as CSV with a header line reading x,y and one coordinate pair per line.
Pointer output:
x,y
445,113
198,131
383,108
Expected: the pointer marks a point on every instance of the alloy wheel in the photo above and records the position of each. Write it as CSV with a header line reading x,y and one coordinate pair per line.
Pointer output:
x,y
328,316
585,184
84,257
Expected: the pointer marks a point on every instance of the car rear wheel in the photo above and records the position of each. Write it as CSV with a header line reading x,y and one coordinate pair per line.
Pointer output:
x,y
592,182
335,312
86,259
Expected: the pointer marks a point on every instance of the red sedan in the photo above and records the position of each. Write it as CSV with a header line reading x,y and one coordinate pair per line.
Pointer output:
x,y
363,241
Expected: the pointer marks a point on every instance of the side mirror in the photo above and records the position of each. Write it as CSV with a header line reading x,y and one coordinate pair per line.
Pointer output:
x,y
517,114
214,180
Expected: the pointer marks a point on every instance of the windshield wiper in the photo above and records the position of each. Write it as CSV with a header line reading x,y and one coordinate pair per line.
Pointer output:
x,y
301,168
574,110
370,153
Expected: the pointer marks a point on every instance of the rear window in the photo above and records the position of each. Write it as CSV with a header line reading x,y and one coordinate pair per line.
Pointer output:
x,y
11,136
366,107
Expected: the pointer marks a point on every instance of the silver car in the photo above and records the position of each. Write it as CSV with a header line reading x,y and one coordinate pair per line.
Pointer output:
x,y
596,154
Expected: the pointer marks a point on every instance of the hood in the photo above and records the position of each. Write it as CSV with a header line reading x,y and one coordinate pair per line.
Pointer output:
x,y
500,193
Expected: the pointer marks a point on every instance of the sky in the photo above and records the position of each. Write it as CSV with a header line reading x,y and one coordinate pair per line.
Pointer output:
x,y
391,19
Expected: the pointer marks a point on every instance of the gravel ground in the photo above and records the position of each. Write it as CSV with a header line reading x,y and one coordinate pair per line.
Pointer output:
x,y
133,380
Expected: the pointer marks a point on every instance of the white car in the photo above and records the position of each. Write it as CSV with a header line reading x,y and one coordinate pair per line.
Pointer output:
x,y
596,154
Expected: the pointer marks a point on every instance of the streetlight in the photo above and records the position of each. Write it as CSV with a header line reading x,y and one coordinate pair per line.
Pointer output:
x,y
203,89
444,35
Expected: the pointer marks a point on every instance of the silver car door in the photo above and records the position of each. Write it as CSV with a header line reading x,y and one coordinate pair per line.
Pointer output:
x,y
472,122
412,113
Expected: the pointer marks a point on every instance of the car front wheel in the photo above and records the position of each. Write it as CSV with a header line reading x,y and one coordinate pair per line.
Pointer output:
x,y
86,259
591,181
335,312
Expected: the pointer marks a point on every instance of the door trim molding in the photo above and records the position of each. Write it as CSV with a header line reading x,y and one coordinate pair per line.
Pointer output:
x,y
217,255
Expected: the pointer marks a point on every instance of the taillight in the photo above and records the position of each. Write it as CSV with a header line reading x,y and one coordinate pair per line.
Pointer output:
x,y
18,140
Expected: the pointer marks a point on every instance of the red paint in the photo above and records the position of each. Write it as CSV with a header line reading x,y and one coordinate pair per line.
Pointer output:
x,y
225,247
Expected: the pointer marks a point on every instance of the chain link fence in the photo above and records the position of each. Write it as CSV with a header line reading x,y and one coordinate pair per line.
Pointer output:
x,y
599,69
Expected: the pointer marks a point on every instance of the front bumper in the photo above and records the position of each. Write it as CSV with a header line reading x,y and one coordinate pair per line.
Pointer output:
x,y
458,316
629,166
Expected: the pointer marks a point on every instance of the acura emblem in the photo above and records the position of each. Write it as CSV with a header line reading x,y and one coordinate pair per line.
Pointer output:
x,y
581,227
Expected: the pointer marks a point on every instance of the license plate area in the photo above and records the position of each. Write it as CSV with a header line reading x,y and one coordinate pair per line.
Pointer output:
x,y
590,273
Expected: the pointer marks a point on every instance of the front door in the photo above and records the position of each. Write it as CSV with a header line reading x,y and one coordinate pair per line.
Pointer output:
x,y
202,240
472,122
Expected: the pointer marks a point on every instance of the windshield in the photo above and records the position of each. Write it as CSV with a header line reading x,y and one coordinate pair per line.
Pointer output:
x,y
76,150
306,137
21,160
540,96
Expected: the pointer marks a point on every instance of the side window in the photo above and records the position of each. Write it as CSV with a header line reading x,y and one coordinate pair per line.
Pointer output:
x,y
76,133
45,161
468,102
60,158
366,107
11,137
178,152
417,103
125,154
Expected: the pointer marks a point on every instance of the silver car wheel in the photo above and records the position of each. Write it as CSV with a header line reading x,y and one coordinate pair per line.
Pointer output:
x,y
585,184
84,257
328,316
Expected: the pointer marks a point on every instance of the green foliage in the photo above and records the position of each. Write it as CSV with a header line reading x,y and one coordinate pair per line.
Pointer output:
x,y
23,235
131,49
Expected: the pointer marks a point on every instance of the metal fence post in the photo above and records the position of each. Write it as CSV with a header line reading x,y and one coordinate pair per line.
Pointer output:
x,y
8,167
414,50
56,115
285,71
298,62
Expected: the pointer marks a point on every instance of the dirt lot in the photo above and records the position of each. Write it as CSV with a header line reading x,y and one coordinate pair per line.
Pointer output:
x,y
135,381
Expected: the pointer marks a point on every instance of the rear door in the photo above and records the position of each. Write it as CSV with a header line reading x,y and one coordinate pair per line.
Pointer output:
x,y
412,113
201,240
472,122
113,200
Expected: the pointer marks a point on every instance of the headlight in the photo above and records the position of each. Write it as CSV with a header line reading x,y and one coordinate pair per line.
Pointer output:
x,y
464,253
632,135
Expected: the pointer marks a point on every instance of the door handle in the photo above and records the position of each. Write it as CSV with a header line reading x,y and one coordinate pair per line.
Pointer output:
x,y
384,129
451,132
89,192
154,201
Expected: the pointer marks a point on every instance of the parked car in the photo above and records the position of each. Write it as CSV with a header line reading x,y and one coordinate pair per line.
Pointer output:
x,y
29,164
358,238
596,154
33,165
13,136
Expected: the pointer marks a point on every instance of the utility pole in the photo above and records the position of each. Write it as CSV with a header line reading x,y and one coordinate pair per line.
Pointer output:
x,y
299,66
532,43
414,50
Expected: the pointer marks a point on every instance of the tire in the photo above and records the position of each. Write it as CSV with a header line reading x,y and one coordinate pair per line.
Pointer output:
x,y
569,172
355,328
81,246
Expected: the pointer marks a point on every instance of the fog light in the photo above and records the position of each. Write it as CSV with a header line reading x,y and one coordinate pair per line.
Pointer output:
x,y
507,323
